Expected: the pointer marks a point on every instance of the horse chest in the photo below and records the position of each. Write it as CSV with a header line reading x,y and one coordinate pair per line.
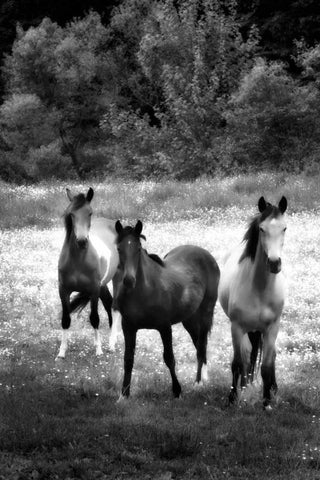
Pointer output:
x,y
253,310
144,310
78,275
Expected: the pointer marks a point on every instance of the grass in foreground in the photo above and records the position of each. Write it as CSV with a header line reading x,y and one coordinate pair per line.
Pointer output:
x,y
60,420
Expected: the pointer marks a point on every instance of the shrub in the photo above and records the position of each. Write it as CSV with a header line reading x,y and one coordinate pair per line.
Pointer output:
x,y
191,57
272,119
48,162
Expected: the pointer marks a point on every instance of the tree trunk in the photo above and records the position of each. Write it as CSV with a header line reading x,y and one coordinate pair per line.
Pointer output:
x,y
75,162
72,151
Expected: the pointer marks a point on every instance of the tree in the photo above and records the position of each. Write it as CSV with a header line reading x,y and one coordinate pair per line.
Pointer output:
x,y
191,55
67,71
273,119
30,13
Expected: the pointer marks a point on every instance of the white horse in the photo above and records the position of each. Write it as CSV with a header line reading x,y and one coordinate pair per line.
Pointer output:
x,y
252,292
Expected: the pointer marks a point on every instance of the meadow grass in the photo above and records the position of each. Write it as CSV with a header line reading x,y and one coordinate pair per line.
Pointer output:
x,y
43,205
60,420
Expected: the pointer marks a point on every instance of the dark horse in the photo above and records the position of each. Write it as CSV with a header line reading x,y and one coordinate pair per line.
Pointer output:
x,y
151,293
87,262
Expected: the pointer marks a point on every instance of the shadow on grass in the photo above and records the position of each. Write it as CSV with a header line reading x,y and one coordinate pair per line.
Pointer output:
x,y
69,431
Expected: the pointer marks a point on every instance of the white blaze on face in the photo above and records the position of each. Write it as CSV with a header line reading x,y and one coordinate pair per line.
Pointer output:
x,y
82,222
272,237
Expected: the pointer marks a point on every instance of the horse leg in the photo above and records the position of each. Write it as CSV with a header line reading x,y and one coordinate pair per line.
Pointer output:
x,y
206,319
130,335
255,340
268,364
237,366
202,356
192,327
95,320
168,357
115,329
113,315
65,321
106,299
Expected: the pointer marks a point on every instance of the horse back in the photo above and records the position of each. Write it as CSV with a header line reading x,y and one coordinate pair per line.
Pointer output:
x,y
196,266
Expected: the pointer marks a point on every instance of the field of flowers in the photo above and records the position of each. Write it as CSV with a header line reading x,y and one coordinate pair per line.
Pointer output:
x,y
61,420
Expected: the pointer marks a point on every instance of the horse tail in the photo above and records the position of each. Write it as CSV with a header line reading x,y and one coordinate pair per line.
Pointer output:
x,y
78,303
256,341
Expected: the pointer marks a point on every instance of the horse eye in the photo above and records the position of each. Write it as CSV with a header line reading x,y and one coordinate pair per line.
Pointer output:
x,y
285,228
261,229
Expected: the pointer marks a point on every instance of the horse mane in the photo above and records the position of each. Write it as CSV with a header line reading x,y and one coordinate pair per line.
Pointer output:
x,y
251,237
77,202
156,258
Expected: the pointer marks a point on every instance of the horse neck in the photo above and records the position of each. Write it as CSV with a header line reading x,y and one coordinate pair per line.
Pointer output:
x,y
70,244
146,270
261,273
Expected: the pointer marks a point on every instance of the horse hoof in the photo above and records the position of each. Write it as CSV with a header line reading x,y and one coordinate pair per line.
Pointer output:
x,y
268,409
198,385
99,353
59,357
122,398
204,373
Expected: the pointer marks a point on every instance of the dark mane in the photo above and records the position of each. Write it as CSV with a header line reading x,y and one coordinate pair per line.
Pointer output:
x,y
77,202
251,237
156,258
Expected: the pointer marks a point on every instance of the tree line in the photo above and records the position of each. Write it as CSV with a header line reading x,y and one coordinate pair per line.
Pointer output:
x,y
158,89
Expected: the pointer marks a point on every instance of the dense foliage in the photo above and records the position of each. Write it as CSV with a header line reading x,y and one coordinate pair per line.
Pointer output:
x,y
164,88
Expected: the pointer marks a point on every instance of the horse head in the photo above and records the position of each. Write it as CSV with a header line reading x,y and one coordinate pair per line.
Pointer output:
x,y
272,227
129,248
78,217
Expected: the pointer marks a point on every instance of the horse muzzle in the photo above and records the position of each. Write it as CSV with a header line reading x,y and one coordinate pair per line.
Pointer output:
x,y
274,265
82,243
129,281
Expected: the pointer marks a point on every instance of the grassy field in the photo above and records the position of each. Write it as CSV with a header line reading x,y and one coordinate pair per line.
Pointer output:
x,y
60,420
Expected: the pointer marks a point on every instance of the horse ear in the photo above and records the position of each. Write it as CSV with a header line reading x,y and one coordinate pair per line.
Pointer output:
x,y
262,204
118,227
138,228
283,205
69,194
90,194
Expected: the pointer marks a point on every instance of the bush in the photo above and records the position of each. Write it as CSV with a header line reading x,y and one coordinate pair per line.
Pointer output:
x,y
191,61
273,120
48,162
12,171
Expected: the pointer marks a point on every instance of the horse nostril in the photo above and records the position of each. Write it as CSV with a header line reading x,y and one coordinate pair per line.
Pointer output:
x,y
129,281
82,242
275,265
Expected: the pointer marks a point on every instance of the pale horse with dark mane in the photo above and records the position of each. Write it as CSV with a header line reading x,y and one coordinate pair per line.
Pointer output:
x,y
87,263
252,293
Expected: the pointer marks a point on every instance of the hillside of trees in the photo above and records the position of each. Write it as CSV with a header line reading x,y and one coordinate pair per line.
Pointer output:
x,y
146,88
